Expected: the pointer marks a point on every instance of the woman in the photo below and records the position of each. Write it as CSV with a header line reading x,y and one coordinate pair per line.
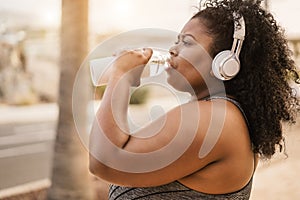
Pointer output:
x,y
228,131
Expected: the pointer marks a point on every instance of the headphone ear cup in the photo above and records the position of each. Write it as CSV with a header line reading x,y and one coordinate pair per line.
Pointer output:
x,y
218,63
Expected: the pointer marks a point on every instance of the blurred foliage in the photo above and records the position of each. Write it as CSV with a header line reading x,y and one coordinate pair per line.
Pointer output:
x,y
139,95
98,92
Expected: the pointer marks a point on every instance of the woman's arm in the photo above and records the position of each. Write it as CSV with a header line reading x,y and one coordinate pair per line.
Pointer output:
x,y
165,150
112,114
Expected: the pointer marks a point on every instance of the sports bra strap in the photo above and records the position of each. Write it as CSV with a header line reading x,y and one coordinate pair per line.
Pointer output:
x,y
236,103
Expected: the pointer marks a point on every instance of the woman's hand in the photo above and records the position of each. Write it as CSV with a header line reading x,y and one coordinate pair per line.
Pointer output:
x,y
130,64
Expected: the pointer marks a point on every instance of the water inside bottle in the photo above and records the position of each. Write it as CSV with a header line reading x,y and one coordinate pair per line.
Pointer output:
x,y
100,70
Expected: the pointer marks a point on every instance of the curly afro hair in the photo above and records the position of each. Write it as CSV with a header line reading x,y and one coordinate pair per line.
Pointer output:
x,y
262,85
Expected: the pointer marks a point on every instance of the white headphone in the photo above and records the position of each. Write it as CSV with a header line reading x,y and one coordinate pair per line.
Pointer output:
x,y
226,64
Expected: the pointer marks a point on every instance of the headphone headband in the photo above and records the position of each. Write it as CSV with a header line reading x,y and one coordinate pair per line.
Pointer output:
x,y
226,64
239,26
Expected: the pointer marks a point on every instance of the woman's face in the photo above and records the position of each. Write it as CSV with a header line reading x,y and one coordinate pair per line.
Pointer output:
x,y
190,63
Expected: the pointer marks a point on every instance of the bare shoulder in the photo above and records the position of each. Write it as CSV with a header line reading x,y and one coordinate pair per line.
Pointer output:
x,y
227,143
225,127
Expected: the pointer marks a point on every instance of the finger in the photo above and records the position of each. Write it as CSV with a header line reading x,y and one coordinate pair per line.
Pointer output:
x,y
121,51
147,52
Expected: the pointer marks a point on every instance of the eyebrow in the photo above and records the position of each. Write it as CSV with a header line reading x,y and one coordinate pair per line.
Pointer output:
x,y
184,35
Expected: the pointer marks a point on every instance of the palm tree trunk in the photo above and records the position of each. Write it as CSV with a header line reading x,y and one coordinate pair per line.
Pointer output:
x,y
70,176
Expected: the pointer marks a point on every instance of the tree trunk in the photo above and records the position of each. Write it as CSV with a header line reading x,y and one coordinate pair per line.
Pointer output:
x,y
70,176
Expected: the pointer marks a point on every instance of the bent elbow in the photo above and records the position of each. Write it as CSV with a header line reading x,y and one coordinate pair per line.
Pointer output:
x,y
95,167
92,168
100,170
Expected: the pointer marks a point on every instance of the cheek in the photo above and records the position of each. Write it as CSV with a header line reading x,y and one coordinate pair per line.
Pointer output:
x,y
199,61
185,76
194,75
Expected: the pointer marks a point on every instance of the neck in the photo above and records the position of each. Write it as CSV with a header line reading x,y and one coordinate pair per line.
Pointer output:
x,y
207,93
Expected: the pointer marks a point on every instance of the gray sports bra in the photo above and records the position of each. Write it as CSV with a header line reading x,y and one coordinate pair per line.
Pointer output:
x,y
176,190
173,191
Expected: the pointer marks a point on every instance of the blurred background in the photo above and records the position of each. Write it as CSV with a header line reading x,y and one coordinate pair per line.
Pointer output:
x,y
42,45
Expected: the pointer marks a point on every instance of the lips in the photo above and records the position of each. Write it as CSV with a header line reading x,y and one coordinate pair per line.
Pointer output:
x,y
171,64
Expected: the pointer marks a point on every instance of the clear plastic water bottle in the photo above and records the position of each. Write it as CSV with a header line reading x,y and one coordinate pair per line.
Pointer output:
x,y
100,68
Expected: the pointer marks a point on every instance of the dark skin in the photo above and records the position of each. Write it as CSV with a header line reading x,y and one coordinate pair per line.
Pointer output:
x,y
230,164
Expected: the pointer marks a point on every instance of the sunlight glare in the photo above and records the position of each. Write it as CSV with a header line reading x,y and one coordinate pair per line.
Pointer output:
x,y
50,19
123,8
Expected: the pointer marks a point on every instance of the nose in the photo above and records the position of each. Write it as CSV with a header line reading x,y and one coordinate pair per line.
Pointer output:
x,y
173,51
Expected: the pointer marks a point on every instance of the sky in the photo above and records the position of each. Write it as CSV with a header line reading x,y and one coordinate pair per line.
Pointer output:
x,y
132,14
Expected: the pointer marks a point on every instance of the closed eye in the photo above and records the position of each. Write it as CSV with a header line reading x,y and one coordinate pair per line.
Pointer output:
x,y
185,39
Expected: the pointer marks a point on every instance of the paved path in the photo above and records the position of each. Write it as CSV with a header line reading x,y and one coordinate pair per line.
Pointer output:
x,y
27,134
279,179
